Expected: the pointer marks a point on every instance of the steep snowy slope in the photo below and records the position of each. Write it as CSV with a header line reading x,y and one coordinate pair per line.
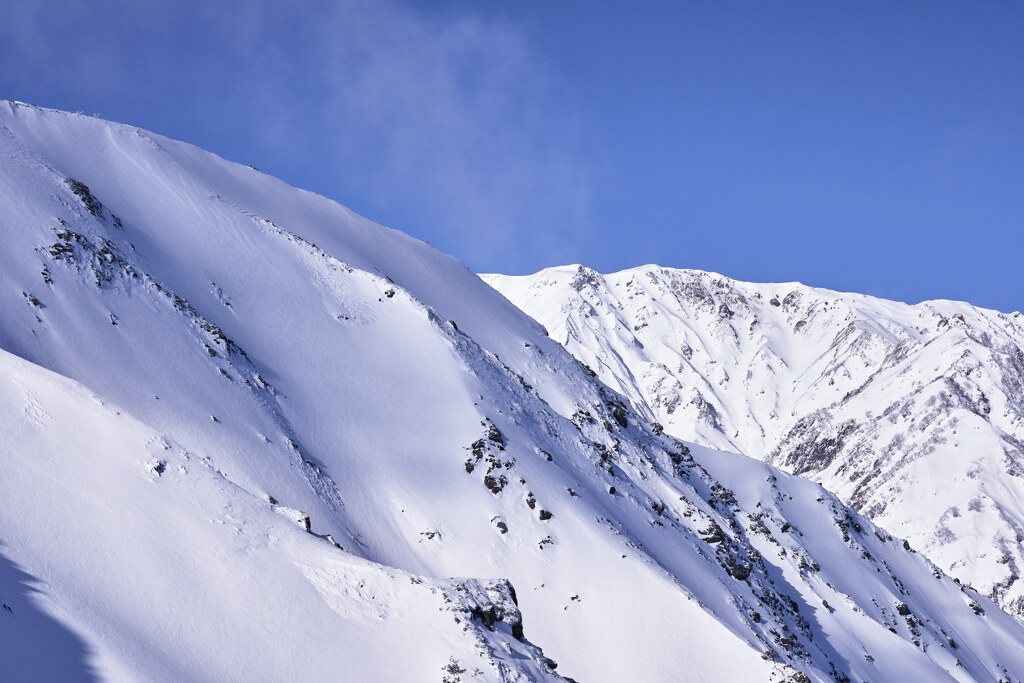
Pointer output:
x,y
914,415
258,354
143,562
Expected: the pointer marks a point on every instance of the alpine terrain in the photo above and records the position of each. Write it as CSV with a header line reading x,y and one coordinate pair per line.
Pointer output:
x,y
249,435
912,414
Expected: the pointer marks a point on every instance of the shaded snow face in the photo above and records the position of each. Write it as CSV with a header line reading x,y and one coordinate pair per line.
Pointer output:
x,y
913,414
346,451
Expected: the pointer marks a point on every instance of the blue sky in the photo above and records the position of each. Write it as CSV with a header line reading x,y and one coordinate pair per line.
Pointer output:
x,y
871,146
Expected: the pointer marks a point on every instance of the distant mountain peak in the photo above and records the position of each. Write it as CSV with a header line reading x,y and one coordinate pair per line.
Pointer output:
x,y
912,413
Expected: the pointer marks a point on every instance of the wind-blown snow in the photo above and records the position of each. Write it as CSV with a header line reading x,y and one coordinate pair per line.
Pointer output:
x,y
198,358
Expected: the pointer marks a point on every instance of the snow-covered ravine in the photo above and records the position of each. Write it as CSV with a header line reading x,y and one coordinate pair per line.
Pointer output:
x,y
914,415
249,435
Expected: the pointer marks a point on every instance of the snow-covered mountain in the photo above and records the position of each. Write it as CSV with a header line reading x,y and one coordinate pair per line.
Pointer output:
x,y
914,415
249,435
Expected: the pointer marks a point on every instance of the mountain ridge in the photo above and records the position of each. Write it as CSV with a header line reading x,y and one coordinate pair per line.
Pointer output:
x,y
828,383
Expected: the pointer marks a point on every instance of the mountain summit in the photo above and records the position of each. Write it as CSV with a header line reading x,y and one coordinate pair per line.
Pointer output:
x,y
250,435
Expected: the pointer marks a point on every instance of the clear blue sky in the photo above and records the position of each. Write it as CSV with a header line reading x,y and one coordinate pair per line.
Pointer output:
x,y
870,146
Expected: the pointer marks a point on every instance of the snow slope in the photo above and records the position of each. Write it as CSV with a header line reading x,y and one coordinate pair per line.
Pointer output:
x,y
158,566
914,415
197,358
